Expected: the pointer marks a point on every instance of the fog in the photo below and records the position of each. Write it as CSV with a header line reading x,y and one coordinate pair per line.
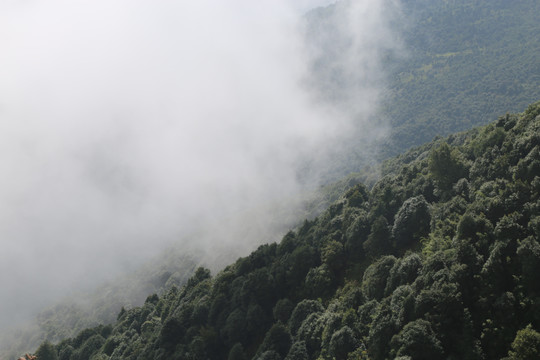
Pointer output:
x,y
127,126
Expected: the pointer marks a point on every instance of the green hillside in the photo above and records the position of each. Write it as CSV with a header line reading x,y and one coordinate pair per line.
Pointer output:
x,y
463,63
467,62
438,260
99,305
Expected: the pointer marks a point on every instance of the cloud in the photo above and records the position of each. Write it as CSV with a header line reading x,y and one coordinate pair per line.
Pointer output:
x,y
126,126
351,44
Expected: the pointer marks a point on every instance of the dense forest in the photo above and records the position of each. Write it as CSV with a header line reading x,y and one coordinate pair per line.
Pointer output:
x,y
463,63
467,62
438,260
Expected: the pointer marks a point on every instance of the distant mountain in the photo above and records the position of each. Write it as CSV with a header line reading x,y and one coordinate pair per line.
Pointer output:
x,y
468,61
464,62
438,260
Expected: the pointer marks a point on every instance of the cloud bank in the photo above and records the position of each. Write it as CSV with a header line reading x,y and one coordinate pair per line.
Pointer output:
x,y
129,125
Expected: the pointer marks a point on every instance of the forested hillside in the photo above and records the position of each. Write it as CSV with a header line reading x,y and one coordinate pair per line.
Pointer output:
x,y
466,63
438,260
462,64
100,305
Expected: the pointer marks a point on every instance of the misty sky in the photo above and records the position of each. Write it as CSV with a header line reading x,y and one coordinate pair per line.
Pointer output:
x,y
127,125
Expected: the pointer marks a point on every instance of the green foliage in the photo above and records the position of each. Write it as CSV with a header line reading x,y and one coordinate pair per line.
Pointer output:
x,y
298,351
378,240
46,351
418,340
526,345
405,271
302,311
171,331
320,282
311,332
529,256
269,355
277,339
342,343
332,255
445,166
375,277
382,328
237,352
282,310
65,351
234,327
412,222
90,347
201,274
356,234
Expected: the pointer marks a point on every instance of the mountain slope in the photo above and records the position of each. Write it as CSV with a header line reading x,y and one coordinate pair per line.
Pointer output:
x,y
99,305
438,260
462,64
467,62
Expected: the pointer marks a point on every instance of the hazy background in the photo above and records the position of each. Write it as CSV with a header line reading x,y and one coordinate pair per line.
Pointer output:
x,y
130,125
